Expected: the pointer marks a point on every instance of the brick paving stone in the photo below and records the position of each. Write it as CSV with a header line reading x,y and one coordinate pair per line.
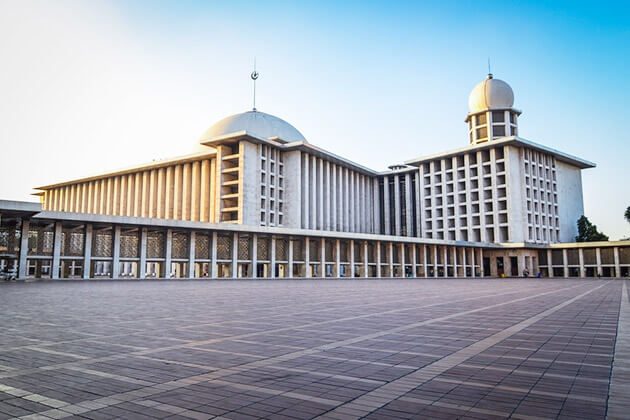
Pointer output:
x,y
294,349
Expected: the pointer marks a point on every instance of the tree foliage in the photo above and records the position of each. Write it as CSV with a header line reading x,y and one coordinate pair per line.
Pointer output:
x,y
627,214
587,232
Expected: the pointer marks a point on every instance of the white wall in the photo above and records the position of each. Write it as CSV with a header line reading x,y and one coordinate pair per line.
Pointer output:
x,y
570,200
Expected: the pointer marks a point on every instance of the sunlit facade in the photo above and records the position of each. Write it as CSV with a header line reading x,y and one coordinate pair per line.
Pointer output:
x,y
257,200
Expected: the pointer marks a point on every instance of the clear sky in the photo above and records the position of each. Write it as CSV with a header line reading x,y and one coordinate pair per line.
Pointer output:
x,y
90,86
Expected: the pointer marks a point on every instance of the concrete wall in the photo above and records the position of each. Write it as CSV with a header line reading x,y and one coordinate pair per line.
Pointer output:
x,y
570,200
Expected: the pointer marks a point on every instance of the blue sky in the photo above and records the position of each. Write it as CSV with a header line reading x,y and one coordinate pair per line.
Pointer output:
x,y
92,86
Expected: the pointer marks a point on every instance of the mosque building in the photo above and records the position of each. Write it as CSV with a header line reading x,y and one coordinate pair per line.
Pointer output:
x,y
258,200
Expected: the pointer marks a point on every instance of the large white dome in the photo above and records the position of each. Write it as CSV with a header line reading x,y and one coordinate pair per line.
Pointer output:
x,y
255,123
490,94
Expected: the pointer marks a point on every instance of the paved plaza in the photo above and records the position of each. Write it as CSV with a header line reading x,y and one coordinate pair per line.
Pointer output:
x,y
335,349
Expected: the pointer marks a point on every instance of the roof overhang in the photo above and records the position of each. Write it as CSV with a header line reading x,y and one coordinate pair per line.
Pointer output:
x,y
143,167
513,141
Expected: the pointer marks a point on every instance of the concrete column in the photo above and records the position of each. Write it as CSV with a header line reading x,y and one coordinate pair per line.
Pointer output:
x,y
387,207
56,262
390,252
116,253
23,261
598,255
445,259
213,256
320,194
87,251
272,257
565,267
168,248
435,266
549,264
352,271
234,269
455,261
377,206
365,258
306,196
144,235
403,260
581,259
327,196
617,265
307,257
290,259
414,260
191,255
378,259
322,251
397,210
254,256
337,272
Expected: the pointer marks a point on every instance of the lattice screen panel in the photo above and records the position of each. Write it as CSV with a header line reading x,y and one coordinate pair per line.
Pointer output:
x,y
180,245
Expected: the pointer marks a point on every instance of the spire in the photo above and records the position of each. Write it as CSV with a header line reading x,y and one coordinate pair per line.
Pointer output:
x,y
489,69
254,76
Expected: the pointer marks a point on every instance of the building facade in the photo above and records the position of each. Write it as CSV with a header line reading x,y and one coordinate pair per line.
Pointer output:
x,y
257,199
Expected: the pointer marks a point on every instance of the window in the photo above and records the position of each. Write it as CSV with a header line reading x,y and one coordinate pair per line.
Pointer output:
x,y
498,116
482,133
262,190
481,119
512,118
498,130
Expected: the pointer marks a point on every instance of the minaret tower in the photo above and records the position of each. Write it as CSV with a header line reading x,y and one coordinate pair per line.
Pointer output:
x,y
490,111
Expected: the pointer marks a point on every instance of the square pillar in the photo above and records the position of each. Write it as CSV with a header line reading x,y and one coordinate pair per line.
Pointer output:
x,y
168,252
390,252
378,259
307,257
144,235
352,270
116,253
365,259
435,266
234,268
272,257
290,259
337,272
23,261
402,260
191,254
56,262
617,265
254,256
213,256
581,259
322,245
414,260
598,255
549,264
87,251
565,266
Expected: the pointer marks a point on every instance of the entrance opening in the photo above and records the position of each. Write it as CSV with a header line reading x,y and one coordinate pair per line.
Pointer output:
x,y
486,266
514,266
500,267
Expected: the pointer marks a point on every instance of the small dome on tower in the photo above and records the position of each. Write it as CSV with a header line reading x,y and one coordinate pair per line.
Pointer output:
x,y
256,123
490,94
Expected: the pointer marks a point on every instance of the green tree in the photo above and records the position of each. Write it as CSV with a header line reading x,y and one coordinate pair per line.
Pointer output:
x,y
587,232
627,214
